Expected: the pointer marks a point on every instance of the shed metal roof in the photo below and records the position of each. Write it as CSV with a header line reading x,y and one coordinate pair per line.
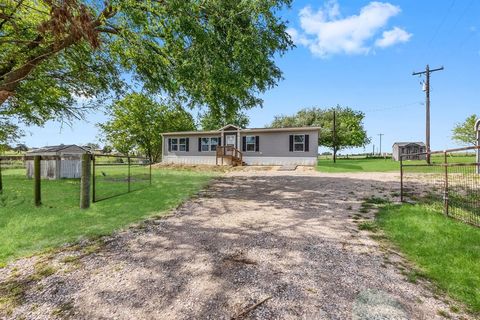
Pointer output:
x,y
402,144
50,149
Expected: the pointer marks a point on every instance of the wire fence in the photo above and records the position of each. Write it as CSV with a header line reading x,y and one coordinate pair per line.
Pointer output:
x,y
55,187
451,182
117,175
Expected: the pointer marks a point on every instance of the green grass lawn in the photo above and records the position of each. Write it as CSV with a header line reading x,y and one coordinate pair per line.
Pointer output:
x,y
358,165
445,250
25,230
380,165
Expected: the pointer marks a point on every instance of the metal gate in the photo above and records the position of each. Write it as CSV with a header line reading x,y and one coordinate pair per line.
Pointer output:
x,y
451,182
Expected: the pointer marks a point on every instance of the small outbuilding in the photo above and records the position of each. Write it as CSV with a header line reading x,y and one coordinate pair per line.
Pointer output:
x,y
65,161
399,148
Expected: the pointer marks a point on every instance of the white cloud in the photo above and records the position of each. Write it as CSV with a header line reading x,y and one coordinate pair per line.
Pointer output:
x,y
391,37
325,32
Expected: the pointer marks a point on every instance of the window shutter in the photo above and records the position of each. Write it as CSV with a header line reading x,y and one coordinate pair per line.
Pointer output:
x,y
257,143
187,144
244,144
219,141
199,144
291,143
307,142
169,144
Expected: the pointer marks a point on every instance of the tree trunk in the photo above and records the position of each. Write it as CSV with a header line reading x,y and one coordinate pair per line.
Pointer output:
x,y
334,155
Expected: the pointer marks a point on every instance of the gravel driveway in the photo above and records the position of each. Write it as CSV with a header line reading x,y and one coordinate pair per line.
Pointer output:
x,y
254,245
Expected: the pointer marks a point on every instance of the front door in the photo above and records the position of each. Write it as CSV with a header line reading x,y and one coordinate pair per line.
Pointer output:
x,y
231,140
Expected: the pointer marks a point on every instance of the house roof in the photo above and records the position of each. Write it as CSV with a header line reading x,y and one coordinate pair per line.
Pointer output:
x,y
403,144
50,149
247,130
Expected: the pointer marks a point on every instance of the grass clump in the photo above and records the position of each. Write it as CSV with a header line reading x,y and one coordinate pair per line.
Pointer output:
x,y
447,251
368,226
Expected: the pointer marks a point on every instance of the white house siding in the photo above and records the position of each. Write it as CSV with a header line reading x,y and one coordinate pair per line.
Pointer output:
x,y
189,159
280,161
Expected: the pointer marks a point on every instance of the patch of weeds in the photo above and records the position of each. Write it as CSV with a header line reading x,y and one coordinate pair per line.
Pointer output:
x,y
42,270
378,237
376,200
455,309
368,226
64,311
395,194
443,313
413,275
365,207
12,292
92,248
71,259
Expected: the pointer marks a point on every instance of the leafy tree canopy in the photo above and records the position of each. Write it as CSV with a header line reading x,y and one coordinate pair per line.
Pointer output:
x,y
55,53
214,120
137,123
350,132
464,133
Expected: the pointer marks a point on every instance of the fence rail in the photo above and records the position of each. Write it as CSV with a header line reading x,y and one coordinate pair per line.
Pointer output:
x,y
450,182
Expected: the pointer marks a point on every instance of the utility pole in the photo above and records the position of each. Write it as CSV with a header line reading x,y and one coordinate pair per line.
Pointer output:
x,y
334,139
380,134
427,105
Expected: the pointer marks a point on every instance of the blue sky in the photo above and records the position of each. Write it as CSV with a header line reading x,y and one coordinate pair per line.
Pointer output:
x,y
362,54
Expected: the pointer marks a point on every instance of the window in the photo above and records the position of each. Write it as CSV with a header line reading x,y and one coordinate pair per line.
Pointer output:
x,y
250,143
174,144
182,145
209,144
299,142
178,144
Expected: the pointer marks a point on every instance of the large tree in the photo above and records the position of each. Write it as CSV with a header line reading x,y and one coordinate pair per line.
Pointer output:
x,y
137,122
349,131
55,53
212,120
464,133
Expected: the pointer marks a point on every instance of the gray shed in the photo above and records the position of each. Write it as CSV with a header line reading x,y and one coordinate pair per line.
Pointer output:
x,y
399,148
67,165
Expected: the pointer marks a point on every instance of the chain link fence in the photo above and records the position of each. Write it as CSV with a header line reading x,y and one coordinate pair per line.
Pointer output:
x,y
451,182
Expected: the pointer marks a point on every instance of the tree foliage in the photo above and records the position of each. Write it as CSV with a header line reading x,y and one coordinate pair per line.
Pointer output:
x,y
55,53
464,133
214,120
137,123
350,132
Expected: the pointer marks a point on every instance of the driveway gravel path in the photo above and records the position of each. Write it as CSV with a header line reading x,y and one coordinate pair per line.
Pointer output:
x,y
253,245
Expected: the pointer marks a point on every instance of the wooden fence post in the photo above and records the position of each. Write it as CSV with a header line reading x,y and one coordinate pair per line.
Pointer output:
x,y
128,159
401,178
37,180
1,183
445,194
85,182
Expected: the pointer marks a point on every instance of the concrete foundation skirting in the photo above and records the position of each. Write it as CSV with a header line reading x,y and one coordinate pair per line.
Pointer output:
x,y
256,161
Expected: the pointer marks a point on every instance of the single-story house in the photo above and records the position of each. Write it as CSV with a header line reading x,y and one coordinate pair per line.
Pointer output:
x,y
67,161
399,148
236,146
